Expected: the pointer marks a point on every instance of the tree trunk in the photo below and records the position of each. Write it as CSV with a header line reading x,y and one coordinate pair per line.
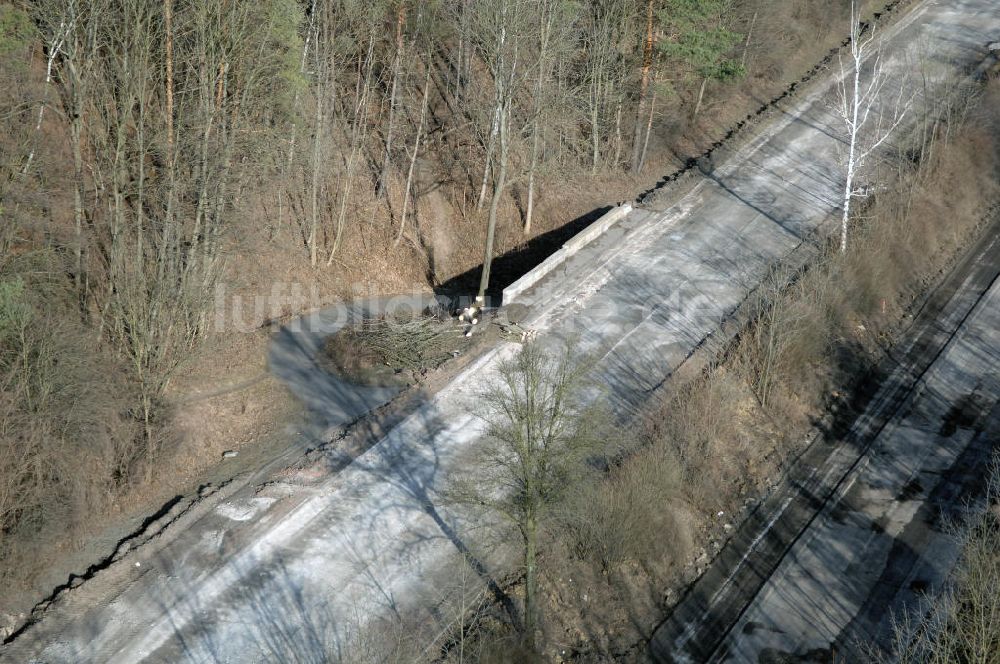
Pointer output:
x,y
76,141
314,191
649,130
168,23
618,134
490,147
853,129
147,429
312,33
413,157
498,187
537,125
530,207
387,159
140,204
746,44
848,189
55,45
462,58
847,208
594,137
201,206
169,231
359,133
701,97
530,580
647,63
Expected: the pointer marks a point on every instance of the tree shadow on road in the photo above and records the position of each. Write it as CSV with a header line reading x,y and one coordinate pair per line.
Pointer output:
x,y
412,463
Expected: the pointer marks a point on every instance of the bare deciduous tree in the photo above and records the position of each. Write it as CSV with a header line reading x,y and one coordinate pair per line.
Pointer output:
x,y
648,43
413,156
869,109
539,435
356,114
556,38
605,71
499,30
397,62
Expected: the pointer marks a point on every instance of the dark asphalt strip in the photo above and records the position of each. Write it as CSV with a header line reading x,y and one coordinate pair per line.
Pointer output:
x,y
959,487
717,600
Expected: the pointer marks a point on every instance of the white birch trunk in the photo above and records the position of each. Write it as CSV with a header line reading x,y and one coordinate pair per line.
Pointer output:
x,y
868,116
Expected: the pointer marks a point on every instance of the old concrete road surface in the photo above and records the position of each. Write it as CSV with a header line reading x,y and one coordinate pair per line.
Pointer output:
x,y
305,572
859,527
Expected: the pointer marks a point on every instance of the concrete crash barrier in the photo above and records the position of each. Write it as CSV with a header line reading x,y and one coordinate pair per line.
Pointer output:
x,y
570,247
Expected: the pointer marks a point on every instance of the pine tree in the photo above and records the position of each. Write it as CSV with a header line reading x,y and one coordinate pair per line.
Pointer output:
x,y
699,41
